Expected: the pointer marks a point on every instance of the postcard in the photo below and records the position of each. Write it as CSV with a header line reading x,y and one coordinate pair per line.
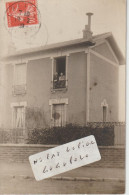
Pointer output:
x,y
62,96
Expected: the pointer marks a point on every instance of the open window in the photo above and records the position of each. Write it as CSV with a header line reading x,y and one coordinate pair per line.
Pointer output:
x,y
59,73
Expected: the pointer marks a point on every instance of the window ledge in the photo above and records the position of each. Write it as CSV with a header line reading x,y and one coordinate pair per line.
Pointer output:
x,y
59,89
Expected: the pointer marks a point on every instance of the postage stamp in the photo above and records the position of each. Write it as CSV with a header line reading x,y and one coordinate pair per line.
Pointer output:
x,y
21,13
65,157
22,19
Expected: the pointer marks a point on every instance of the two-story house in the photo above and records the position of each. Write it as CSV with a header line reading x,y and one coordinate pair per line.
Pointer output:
x,y
70,82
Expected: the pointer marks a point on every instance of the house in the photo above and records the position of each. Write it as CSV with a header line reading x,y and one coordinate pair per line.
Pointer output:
x,y
70,82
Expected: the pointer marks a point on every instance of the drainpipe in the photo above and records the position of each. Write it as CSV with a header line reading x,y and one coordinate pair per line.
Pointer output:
x,y
87,84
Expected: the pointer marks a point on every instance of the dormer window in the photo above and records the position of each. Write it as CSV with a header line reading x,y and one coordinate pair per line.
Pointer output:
x,y
59,73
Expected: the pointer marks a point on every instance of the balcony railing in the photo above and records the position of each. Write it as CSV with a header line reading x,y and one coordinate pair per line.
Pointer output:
x,y
59,84
19,89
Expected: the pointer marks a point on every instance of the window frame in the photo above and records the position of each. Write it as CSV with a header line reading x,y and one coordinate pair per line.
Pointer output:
x,y
66,72
14,79
52,102
104,106
13,107
63,117
104,113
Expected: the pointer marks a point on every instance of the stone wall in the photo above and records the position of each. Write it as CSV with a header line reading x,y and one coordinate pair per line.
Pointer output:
x,y
110,156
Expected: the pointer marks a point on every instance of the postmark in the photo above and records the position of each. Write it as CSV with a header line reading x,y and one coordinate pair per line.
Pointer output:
x,y
22,18
64,158
22,13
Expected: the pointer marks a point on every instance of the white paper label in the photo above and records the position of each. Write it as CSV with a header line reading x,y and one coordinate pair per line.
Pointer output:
x,y
64,158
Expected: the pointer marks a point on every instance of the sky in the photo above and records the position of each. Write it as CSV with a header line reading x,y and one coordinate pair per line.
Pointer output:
x,y
63,20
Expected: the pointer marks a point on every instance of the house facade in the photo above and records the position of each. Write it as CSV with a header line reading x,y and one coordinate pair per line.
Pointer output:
x,y
71,82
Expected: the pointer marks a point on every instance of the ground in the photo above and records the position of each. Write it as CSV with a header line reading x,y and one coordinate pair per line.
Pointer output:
x,y
17,178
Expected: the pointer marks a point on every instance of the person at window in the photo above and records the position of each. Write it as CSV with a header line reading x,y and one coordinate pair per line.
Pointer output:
x,y
62,77
62,80
55,80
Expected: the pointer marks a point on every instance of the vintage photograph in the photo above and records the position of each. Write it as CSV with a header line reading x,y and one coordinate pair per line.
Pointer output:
x,y
62,96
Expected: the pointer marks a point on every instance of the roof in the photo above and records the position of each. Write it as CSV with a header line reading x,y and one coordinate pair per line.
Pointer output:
x,y
108,36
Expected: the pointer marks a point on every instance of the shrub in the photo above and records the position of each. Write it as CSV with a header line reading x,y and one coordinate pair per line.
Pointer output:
x,y
61,135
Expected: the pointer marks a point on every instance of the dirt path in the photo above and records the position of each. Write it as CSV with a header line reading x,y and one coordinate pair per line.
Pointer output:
x,y
17,178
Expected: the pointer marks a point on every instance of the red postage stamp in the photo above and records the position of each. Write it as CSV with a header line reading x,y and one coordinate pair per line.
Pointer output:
x,y
21,13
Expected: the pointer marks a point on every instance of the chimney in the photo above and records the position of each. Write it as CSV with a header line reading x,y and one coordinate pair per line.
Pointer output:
x,y
87,33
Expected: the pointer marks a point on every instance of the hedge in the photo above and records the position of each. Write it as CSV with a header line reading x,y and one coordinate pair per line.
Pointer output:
x,y
61,135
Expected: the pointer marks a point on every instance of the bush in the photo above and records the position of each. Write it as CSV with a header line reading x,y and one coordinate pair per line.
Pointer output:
x,y
61,135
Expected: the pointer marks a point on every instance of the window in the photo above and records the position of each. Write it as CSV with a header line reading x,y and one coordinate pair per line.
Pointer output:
x,y
104,106
58,115
19,79
58,111
18,114
104,113
19,117
59,73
